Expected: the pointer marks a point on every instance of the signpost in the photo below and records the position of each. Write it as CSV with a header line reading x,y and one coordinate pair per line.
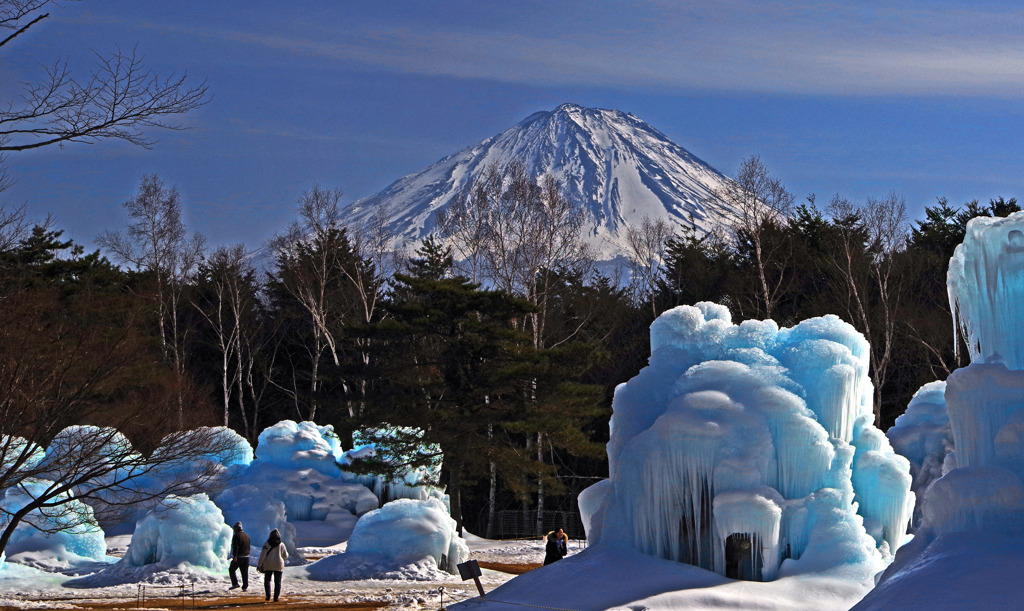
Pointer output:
x,y
471,569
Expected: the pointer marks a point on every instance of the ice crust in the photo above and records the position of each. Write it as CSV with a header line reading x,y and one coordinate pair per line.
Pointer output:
x,y
755,430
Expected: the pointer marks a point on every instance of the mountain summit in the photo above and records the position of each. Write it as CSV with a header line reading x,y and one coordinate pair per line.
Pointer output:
x,y
616,166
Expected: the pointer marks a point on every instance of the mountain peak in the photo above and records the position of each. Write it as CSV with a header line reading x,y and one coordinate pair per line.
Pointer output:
x,y
611,163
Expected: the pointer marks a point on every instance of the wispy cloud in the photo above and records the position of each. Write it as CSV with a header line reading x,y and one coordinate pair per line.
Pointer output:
x,y
749,46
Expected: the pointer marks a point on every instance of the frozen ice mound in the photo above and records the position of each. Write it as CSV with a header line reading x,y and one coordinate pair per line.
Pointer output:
x,y
749,449
308,494
182,530
973,515
17,451
922,434
52,538
229,453
406,539
301,445
299,465
184,539
259,515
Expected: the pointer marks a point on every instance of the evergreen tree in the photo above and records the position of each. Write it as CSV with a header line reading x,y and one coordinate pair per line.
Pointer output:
x,y
455,368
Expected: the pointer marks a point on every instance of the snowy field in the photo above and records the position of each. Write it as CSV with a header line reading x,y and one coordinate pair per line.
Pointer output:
x,y
24,587
600,578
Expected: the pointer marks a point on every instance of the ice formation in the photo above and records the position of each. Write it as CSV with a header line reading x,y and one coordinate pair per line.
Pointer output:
x,y
11,449
741,446
986,289
985,400
299,465
231,453
981,491
259,515
301,445
405,532
923,435
57,537
183,530
414,483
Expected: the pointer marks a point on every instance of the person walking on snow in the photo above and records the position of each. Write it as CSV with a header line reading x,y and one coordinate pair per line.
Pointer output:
x,y
271,563
239,557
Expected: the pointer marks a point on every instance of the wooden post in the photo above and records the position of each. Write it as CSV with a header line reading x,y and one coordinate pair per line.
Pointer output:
x,y
471,568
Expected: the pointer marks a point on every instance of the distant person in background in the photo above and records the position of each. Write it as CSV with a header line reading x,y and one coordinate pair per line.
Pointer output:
x,y
554,549
271,563
563,541
239,557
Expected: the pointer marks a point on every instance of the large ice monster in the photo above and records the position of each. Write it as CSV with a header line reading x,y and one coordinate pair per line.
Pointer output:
x,y
972,517
749,450
985,400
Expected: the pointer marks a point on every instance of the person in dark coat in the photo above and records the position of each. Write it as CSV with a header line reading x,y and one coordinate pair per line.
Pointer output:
x,y
239,557
553,549
271,563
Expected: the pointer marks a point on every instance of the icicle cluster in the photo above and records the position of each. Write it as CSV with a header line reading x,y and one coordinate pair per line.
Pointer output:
x,y
985,400
986,289
750,439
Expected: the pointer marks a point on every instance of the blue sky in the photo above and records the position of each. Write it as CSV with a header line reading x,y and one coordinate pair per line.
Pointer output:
x,y
919,98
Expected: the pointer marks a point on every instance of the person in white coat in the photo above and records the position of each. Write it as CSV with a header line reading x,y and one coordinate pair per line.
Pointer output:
x,y
271,563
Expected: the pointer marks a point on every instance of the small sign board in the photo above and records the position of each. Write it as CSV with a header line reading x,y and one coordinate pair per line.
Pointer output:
x,y
469,569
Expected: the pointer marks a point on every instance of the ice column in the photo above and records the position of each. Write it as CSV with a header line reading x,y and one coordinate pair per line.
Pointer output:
x,y
986,289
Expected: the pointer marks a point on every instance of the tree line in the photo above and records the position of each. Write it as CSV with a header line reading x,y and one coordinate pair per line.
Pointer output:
x,y
495,342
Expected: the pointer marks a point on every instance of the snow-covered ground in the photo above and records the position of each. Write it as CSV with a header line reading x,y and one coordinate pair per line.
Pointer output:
x,y
29,588
605,577
596,578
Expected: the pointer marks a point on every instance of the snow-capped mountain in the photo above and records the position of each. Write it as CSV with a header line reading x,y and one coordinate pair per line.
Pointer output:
x,y
612,163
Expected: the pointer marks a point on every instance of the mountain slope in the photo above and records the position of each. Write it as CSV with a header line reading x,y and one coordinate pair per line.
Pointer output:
x,y
619,168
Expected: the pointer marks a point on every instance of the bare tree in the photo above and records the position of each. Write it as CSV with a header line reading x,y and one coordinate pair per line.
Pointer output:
x,y
757,202
119,98
646,254
223,300
156,241
875,232
98,466
323,269
464,222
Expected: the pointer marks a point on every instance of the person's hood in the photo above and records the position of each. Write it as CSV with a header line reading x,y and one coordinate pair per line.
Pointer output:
x,y
238,527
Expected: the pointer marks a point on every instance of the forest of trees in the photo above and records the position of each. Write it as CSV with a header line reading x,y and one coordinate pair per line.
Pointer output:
x,y
496,342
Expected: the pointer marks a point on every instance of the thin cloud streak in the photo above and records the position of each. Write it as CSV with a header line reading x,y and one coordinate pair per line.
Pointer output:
x,y
738,47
